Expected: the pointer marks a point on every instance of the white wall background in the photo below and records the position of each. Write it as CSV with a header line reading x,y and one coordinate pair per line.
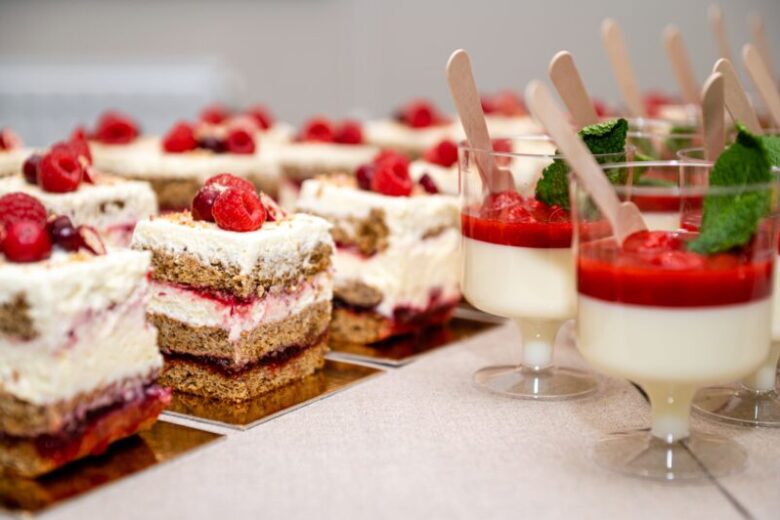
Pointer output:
x,y
359,57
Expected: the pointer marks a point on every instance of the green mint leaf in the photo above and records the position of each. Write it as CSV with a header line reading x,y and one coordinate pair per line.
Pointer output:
x,y
729,221
601,138
772,145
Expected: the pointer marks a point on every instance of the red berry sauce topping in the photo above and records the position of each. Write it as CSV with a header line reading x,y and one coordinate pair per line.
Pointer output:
x,y
116,128
507,218
655,268
26,241
16,207
9,140
215,114
261,115
444,154
420,114
180,138
238,210
240,141
60,171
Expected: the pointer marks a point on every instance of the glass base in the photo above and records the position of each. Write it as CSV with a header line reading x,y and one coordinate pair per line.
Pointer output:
x,y
739,406
548,384
698,457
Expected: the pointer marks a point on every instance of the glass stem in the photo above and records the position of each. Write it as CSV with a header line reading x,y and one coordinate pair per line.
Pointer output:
x,y
538,341
671,410
764,379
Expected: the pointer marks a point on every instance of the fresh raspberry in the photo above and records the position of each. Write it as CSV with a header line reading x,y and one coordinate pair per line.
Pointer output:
x,y
79,150
116,128
601,108
90,175
238,210
509,104
262,116
390,156
59,171
26,241
180,138
392,178
318,129
497,203
214,114
272,210
419,114
227,180
79,144
488,107
364,174
15,207
349,132
212,143
444,154
3,234
428,184
64,234
203,203
30,168
9,140
239,141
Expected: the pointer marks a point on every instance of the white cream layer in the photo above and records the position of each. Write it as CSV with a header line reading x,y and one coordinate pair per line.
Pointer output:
x,y
188,307
346,158
407,272
11,161
519,282
696,346
445,179
503,126
276,249
387,133
107,205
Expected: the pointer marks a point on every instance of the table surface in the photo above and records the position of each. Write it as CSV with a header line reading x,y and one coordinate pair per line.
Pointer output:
x,y
421,442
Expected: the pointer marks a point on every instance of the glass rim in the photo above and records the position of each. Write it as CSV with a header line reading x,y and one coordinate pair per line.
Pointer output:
x,y
694,131
464,145
683,191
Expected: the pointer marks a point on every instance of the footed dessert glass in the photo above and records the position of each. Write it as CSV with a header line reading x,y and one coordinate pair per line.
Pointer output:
x,y
518,264
659,139
671,320
755,401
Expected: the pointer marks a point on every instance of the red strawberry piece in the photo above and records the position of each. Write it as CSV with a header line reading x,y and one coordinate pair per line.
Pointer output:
x,y
318,129
15,207
60,171
392,178
262,116
428,184
444,154
64,234
30,168
488,106
26,241
652,242
349,132
90,240
227,180
180,138
239,141
678,260
238,210
363,175
558,215
497,203
116,128
9,140
203,203
518,214
419,114
214,114
273,212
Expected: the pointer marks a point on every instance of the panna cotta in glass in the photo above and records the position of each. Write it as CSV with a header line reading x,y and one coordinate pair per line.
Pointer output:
x,y
671,315
518,263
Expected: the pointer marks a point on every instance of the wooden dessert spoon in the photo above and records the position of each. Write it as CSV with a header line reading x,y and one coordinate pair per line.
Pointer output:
x,y
681,64
568,82
713,116
737,101
762,79
615,45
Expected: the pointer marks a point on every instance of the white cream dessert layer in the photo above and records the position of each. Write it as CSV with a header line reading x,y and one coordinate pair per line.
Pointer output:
x,y
11,161
273,251
388,133
689,345
445,179
344,157
407,273
189,307
503,127
110,203
88,313
279,134
519,282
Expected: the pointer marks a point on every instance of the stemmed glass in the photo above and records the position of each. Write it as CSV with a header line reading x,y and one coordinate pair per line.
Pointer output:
x,y
518,263
755,400
671,320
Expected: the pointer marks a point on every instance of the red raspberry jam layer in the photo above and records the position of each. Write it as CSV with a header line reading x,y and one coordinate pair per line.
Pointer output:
x,y
509,219
655,268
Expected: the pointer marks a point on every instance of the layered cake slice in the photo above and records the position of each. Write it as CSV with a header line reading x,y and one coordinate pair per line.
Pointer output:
x,y
396,262
12,154
78,361
413,129
241,293
67,185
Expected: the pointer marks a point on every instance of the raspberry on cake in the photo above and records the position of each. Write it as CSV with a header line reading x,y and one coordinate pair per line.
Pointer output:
x,y
323,147
241,292
12,154
416,127
65,182
396,262
266,128
78,362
